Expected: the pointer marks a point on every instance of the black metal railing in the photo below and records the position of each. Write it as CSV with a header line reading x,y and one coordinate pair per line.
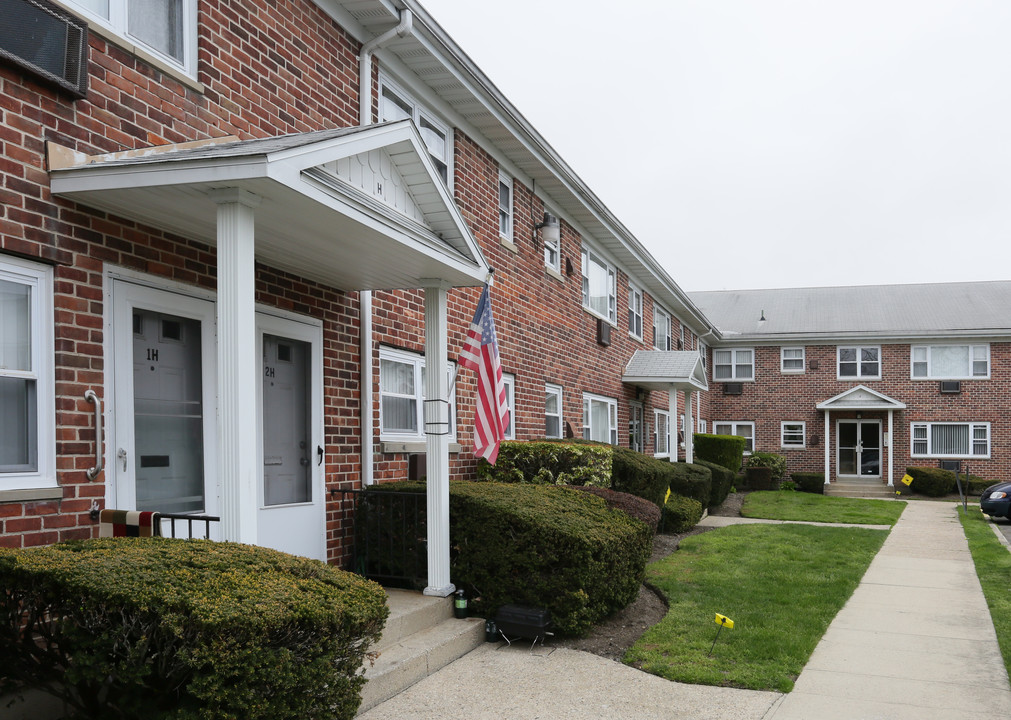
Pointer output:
x,y
384,534
189,519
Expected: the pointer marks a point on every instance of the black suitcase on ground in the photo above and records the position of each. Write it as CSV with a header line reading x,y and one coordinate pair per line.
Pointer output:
x,y
517,621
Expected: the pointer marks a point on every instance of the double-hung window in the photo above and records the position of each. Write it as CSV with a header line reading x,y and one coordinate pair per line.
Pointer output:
x,y
552,411
598,286
395,104
737,364
600,418
951,362
792,435
661,433
745,430
505,206
963,439
859,362
509,381
166,28
791,359
634,312
402,396
27,381
661,328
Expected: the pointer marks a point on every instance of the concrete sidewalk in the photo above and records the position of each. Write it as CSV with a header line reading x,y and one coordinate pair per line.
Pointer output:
x,y
914,641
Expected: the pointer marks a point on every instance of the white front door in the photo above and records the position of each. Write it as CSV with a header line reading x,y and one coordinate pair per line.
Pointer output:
x,y
163,388
291,501
859,448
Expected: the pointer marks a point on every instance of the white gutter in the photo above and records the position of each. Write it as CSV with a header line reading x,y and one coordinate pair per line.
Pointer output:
x,y
368,428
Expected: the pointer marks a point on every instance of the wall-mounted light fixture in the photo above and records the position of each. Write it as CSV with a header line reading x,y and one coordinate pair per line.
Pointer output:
x,y
551,230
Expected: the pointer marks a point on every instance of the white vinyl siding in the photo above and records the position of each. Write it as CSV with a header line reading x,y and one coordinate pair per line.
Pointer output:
x,y
950,362
745,430
661,328
599,286
792,434
395,104
634,312
791,359
954,440
859,362
505,206
600,418
733,364
552,411
402,396
661,434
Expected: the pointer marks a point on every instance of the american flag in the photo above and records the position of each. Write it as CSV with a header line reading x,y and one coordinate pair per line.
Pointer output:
x,y
480,354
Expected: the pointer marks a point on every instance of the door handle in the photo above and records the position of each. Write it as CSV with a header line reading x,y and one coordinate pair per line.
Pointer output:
x,y
121,455
319,454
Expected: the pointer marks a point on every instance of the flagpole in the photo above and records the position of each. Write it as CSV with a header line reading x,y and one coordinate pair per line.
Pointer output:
x,y
456,366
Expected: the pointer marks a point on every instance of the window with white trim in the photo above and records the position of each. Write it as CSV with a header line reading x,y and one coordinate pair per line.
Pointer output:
x,y
509,380
165,28
745,430
552,411
402,396
792,435
940,440
863,362
634,312
791,359
553,249
661,328
950,362
395,104
681,340
661,433
600,418
505,206
737,364
27,380
703,348
702,426
598,286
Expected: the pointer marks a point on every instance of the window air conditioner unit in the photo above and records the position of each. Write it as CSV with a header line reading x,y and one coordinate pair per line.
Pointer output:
x,y
603,332
733,388
47,42
951,386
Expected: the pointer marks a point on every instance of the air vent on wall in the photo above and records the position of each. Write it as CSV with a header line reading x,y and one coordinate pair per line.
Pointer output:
x,y
953,465
603,332
733,388
47,42
951,386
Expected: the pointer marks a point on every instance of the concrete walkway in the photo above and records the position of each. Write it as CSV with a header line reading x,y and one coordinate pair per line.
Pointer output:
x,y
914,641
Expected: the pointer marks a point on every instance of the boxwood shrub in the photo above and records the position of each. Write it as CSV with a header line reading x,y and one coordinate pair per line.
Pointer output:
x,y
639,474
692,481
933,482
550,463
811,482
681,514
723,481
776,463
637,507
725,450
187,629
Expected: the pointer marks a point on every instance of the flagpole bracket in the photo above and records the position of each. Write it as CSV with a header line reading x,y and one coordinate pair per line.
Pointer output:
x,y
437,427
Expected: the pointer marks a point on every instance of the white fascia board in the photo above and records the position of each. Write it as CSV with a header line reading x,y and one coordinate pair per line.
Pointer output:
x,y
982,335
90,178
336,10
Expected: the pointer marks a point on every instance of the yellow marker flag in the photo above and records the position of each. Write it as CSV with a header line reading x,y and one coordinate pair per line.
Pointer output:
x,y
724,621
667,497
907,479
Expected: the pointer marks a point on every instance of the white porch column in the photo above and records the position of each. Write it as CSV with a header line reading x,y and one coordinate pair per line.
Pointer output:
x,y
437,438
689,428
828,448
891,443
672,423
238,363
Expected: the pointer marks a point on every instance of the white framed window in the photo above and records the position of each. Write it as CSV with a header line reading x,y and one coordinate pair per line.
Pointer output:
x,y
745,430
634,312
505,206
681,339
165,28
553,249
661,328
791,359
863,362
509,380
703,351
950,362
598,286
395,104
661,433
600,418
940,440
27,376
793,435
737,364
402,396
702,426
552,411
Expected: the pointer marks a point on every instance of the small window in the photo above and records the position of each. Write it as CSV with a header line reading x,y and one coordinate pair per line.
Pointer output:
x,y
791,359
792,435
402,396
859,363
661,328
950,362
702,426
395,104
634,312
598,286
661,434
681,339
733,365
505,206
509,381
552,248
703,351
745,430
968,440
600,418
552,411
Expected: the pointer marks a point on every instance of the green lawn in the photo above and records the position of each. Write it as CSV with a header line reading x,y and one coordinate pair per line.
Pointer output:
x,y
993,566
781,585
784,505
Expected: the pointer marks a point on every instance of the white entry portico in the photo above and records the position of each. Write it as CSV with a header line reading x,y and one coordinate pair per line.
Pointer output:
x,y
859,440
360,208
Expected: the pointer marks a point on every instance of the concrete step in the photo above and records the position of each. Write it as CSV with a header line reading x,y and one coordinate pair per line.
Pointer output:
x,y
859,489
421,637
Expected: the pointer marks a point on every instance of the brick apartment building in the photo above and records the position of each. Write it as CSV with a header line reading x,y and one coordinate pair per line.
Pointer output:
x,y
227,285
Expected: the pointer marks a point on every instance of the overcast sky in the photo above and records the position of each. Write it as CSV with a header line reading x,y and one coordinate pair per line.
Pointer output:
x,y
773,143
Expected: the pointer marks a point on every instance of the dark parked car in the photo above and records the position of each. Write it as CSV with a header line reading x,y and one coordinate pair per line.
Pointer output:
x,y
996,500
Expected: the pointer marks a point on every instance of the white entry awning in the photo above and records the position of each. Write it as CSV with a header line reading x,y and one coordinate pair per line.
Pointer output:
x,y
666,370
861,398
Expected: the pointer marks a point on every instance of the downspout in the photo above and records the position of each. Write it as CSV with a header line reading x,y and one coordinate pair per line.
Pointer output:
x,y
365,296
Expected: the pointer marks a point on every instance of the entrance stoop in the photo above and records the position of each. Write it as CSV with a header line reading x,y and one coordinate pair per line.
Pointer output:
x,y
860,489
420,637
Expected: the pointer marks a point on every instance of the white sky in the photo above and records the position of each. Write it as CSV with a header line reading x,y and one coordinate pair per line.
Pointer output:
x,y
773,143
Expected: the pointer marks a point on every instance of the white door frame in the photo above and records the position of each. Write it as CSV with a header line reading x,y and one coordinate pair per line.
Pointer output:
x,y
838,447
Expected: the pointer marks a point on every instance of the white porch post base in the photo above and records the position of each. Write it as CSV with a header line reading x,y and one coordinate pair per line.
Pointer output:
x,y
437,444
238,363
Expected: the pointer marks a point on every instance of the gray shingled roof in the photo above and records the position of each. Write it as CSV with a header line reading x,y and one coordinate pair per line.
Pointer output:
x,y
656,368
878,311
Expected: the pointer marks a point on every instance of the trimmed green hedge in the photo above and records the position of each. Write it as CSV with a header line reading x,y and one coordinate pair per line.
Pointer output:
x,y
638,474
725,450
723,482
681,514
776,463
692,481
637,507
550,463
185,629
933,482
810,482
